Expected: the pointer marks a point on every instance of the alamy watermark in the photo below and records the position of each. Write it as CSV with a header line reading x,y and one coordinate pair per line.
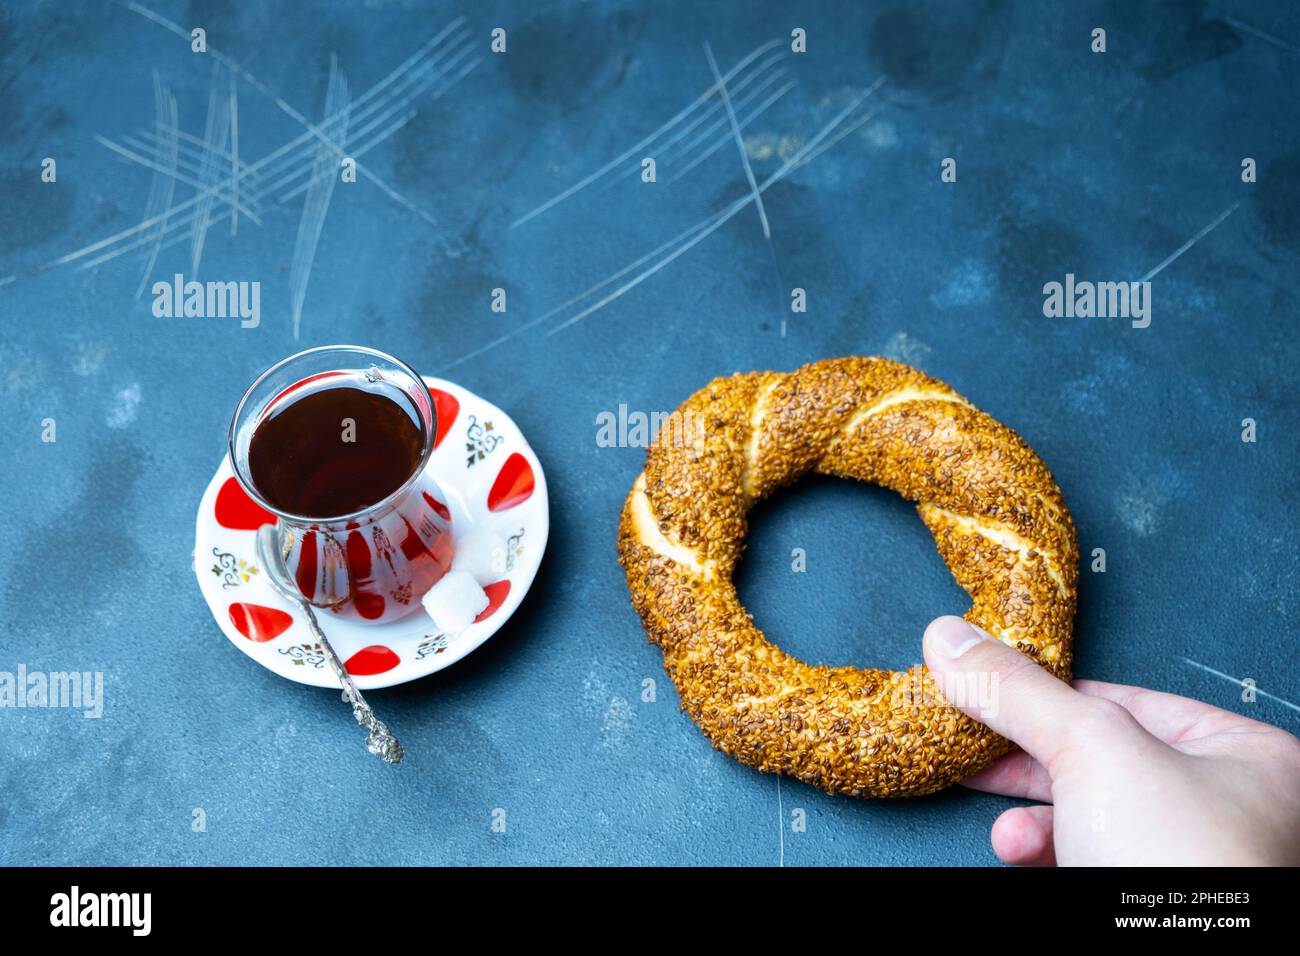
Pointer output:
x,y
130,910
635,429
75,690
975,692
209,300
1102,300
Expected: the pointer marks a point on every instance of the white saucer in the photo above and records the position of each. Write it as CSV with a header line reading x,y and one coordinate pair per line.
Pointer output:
x,y
490,477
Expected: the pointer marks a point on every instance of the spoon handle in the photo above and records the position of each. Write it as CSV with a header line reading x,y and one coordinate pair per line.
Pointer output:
x,y
379,739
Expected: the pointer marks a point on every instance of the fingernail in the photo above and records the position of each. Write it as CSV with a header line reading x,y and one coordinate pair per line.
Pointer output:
x,y
951,637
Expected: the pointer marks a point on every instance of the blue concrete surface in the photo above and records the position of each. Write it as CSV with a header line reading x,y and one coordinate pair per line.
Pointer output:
x,y
1068,161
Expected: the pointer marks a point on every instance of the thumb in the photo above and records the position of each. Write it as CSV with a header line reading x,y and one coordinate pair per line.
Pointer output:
x,y
1002,688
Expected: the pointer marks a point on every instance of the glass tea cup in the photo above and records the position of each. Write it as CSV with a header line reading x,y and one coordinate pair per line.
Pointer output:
x,y
313,440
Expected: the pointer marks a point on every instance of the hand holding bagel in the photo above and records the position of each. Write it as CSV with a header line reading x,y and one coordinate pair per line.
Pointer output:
x,y
1124,775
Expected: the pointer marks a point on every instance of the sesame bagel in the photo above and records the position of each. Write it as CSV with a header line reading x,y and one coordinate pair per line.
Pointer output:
x,y
996,514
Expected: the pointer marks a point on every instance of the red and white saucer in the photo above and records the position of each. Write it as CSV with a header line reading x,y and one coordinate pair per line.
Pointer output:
x,y
489,475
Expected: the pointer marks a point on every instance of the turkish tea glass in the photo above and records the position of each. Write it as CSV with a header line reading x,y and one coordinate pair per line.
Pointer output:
x,y
373,564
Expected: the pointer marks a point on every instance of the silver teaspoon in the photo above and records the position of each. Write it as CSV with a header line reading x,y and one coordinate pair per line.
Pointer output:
x,y
379,740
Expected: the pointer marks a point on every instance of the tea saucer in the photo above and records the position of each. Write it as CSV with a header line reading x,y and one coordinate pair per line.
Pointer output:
x,y
490,477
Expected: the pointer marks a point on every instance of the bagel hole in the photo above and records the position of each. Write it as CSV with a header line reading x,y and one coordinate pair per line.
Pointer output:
x,y
873,578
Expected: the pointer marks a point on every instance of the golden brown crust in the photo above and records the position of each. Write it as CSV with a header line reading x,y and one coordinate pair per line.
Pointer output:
x,y
996,514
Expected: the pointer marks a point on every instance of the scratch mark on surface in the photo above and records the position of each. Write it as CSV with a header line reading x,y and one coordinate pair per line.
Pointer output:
x,y
1218,220
299,170
740,140
187,156
532,323
699,231
281,157
848,130
209,189
163,187
359,151
1261,34
234,157
288,110
780,822
214,140
633,150
393,128
149,137
708,227
722,141
668,150
1240,683
266,191
316,204
753,184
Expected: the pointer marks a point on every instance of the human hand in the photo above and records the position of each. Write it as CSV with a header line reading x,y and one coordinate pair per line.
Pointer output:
x,y
1126,776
